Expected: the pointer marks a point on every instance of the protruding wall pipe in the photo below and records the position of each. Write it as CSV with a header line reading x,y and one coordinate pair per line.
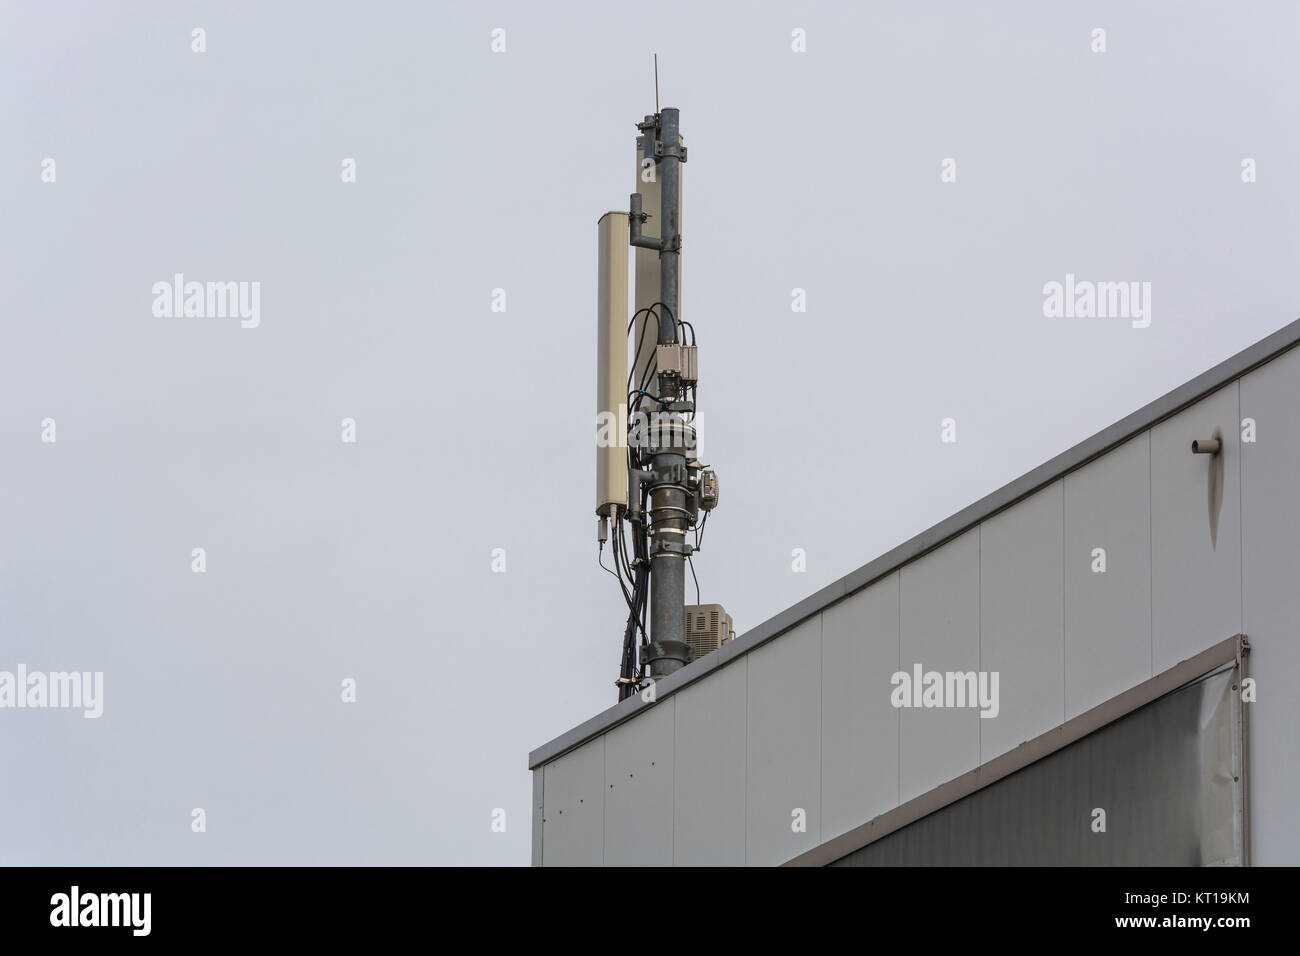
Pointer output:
x,y
1206,446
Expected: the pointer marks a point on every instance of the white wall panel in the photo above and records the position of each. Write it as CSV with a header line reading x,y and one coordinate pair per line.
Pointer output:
x,y
538,813
709,771
859,725
784,746
939,627
1022,620
573,824
1271,579
1108,613
639,789
1195,583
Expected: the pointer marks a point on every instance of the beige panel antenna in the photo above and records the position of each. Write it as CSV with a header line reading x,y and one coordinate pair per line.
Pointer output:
x,y
611,364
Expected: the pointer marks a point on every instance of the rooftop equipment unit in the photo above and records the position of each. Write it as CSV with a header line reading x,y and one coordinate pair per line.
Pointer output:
x,y
708,627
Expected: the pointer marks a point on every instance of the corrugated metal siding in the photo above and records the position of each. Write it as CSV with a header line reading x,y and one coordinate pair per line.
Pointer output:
x,y
1163,776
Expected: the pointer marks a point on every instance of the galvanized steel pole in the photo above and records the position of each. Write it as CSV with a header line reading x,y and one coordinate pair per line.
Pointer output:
x,y
669,516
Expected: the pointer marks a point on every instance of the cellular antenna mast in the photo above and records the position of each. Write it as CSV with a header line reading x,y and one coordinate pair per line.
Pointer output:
x,y
651,489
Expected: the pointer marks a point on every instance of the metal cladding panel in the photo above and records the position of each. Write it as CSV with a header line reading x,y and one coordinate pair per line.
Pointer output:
x,y
1270,577
939,627
1022,620
639,789
573,824
859,724
709,771
1195,579
784,746
1108,613
1166,777
539,807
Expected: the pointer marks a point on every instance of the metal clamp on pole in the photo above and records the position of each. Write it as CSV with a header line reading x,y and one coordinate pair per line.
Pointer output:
x,y
636,217
682,550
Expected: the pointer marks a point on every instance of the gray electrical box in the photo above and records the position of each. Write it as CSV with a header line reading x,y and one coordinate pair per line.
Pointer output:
x,y
679,360
708,627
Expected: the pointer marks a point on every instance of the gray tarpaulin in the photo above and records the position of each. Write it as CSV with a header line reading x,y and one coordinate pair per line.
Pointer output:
x,y
1168,776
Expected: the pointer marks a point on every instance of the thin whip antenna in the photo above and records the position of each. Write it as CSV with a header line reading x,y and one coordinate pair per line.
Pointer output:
x,y
656,82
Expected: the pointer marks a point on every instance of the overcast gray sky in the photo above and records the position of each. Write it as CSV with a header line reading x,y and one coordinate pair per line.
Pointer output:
x,y
475,170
